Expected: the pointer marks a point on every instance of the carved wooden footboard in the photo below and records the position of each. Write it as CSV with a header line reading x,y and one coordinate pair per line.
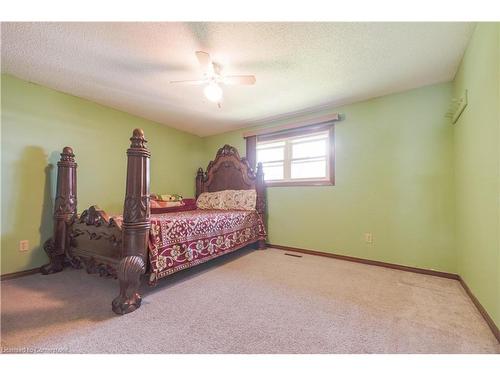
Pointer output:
x,y
96,242
118,247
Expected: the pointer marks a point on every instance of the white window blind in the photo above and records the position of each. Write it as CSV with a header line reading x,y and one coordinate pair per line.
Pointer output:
x,y
296,158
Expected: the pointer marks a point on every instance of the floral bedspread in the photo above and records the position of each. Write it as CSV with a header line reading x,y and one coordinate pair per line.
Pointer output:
x,y
183,239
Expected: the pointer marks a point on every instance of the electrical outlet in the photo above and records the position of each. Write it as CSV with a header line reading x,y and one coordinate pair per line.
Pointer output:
x,y
368,237
24,245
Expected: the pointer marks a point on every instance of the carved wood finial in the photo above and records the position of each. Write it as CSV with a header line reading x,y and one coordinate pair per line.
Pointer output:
x,y
200,176
67,154
137,140
228,150
136,205
94,216
65,203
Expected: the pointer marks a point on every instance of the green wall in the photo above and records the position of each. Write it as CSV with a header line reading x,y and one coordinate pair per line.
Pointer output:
x,y
429,191
477,166
394,178
497,315
37,123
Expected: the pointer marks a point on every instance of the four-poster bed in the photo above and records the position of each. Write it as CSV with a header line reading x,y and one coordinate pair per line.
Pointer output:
x,y
142,241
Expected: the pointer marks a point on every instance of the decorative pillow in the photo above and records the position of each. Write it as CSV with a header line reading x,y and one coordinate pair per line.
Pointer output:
x,y
228,200
167,197
188,204
239,199
210,201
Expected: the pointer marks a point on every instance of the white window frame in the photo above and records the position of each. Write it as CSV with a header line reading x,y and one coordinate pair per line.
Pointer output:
x,y
287,161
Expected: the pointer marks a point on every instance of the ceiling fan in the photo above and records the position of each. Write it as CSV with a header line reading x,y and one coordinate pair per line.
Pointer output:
x,y
213,78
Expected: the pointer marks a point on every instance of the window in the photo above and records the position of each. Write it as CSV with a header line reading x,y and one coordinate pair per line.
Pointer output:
x,y
302,157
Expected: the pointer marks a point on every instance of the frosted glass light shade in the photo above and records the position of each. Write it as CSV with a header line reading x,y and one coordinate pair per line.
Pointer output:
x,y
213,92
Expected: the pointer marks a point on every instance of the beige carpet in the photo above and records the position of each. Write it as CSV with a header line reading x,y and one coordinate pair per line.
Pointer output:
x,y
248,302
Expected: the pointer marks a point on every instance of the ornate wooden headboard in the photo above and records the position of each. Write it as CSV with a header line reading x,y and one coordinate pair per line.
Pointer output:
x,y
230,172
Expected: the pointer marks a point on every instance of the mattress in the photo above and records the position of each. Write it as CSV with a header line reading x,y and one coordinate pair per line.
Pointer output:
x,y
184,239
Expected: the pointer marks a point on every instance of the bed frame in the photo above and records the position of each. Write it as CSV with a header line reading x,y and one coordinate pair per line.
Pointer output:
x,y
116,248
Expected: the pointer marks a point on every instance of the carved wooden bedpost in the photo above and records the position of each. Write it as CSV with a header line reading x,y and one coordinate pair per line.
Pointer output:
x,y
136,224
199,182
261,200
64,211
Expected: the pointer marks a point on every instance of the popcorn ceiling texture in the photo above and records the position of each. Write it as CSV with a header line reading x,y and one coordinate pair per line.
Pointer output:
x,y
300,67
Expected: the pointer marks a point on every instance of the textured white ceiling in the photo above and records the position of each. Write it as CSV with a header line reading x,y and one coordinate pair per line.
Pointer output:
x,y
299,66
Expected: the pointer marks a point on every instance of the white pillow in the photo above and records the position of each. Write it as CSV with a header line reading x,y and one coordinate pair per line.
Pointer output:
x,y
228,200
210,201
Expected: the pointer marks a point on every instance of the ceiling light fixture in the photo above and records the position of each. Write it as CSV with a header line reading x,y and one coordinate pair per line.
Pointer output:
x,y
213,92
213,78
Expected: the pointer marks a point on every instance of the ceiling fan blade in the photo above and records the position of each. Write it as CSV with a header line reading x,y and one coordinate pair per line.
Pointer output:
x,y
205,62
239,80
191,82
